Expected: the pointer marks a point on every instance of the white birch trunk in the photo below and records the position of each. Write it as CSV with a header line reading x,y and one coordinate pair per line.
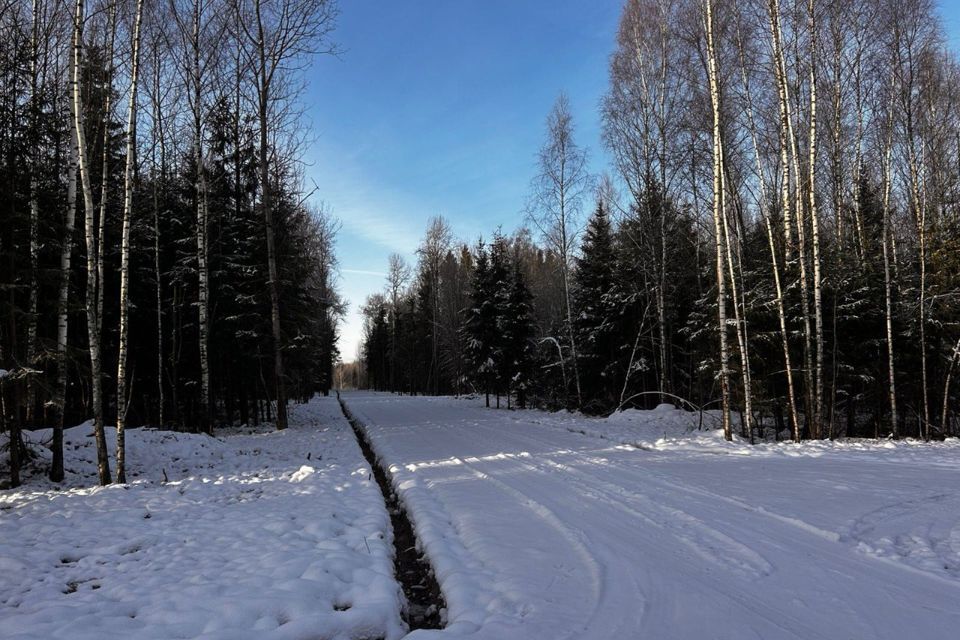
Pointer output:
x,y
798,208
717,224
105,168
815,231
93,267
780,72
565,274
774,266
887,281
919,216
157,139
739,308
838,174
122,399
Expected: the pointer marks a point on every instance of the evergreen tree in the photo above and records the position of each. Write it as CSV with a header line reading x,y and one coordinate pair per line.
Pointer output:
x,y
480,325
376,343
498,296
596,320
517,335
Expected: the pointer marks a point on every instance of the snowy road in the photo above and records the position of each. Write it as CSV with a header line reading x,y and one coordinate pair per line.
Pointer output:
x,y
539,532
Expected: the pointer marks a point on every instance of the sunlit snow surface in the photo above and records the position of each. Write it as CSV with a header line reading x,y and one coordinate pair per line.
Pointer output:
x,y
638,526
538,525
248,539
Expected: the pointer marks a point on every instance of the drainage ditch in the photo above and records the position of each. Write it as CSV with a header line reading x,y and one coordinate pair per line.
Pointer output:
x,y
425,603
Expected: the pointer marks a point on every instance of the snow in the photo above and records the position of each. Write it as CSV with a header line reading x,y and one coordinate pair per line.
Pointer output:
x,y
640,525
538,525
250,538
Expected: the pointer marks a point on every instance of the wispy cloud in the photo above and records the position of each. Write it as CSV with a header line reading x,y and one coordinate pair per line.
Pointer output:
x,y
396,231
364,272
368,208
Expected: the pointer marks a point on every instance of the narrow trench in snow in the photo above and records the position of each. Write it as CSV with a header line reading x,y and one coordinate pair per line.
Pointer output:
x,y
413,571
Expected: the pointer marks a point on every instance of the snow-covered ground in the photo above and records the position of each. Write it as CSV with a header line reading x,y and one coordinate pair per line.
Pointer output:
x,y
538,525
548,526
257,534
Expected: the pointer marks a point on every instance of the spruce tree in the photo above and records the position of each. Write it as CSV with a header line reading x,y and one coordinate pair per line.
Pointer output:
x,y
596,318
498,296
517,334
480,325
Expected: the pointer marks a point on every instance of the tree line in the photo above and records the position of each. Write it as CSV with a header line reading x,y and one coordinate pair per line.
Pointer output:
x,y
777,236
160,262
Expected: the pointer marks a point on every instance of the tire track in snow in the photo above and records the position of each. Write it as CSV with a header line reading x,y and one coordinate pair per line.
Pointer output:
x,y
575,537
695,533
787,623
839,543
938,545
709,501
651,585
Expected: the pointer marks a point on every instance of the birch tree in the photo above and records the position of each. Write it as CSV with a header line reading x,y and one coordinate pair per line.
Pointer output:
x,y
158,168
888,258
718,215
912,37
278,36
122,399
94,265
817,417
558,190
197,51
764,207
398,276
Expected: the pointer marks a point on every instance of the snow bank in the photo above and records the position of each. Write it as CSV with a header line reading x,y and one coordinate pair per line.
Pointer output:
x,y
666,428
257,534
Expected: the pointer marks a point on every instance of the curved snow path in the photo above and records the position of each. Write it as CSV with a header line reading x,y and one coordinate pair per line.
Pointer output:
x,y
538,532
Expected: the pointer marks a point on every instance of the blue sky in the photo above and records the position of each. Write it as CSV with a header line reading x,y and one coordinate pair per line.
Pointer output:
x,y
437,107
